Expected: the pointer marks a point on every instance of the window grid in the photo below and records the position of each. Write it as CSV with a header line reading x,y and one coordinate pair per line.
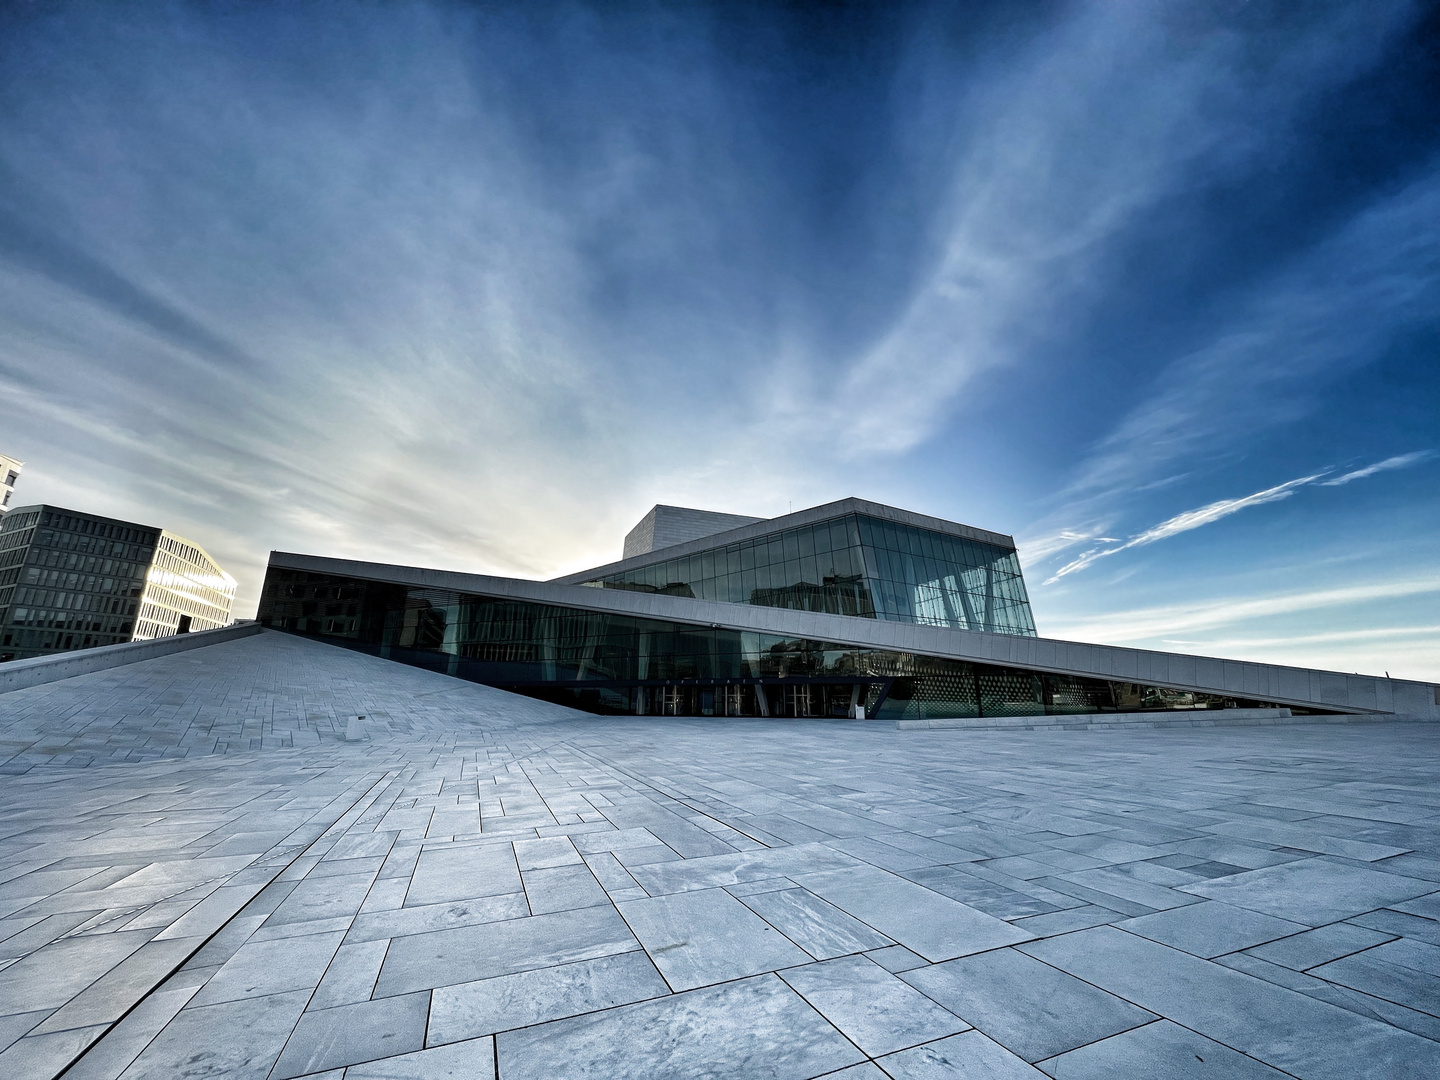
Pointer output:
x,y
620,663
854,565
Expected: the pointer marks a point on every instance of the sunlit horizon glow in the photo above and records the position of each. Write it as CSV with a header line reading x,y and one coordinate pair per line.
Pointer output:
x,y
1156,290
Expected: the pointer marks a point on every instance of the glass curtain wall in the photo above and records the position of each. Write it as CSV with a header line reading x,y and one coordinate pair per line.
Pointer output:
x,y
612,663
853,565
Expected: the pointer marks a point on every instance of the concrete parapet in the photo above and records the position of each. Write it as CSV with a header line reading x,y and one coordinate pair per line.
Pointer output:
x,y
18,674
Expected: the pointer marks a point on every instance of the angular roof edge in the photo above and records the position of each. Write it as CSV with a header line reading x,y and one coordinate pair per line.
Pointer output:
x,y
810,516
57,508
1306,687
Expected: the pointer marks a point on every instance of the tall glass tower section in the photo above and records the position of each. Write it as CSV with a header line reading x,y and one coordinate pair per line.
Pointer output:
x,y
851,564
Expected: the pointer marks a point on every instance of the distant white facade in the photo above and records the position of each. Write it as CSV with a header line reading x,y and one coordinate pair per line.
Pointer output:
x,y
185,590
9,472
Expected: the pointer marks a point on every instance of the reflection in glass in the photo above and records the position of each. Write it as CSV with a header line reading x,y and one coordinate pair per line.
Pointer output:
x,y
612,663
853,565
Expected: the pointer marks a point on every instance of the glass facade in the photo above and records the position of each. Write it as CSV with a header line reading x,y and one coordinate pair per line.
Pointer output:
x,y
610,663
853,565
69,581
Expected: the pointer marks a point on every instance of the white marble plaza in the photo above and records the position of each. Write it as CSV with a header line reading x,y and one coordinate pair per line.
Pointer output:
x,y
208,867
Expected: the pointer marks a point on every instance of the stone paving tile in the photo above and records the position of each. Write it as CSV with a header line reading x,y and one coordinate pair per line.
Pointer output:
x,y
1210,929
15,1025
446,957
925,922
1158,1049
1388,921
404,922
1306,836
1353,1000
236,1038
1312,891
1289,1031
473,1060
48,1054
124,1042
562,888
875,1010
534,997
967,1056
1376,973
1031,1009
271,967
821,929
446,874
1427,906
707,936
1319,946
57,972
461,872
756,1027
350,1034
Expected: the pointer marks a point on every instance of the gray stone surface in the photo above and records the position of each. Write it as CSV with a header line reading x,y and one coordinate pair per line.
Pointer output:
x,y
879,1013
1158,1049
925,922
1031,1009
968,1056
447,957
472,1009
473,1060
1292,1032
1210,929
755,1027
349,1034
1313,891
1315,947
1392,976
821,929
201,875
698,938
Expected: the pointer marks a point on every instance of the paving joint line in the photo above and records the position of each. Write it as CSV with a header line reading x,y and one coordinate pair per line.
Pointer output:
x,y
159,982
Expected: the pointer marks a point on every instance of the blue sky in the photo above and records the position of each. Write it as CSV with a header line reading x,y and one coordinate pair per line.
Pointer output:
x,y
1154,288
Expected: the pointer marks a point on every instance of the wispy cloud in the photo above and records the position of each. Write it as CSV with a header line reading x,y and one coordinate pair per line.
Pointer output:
x,y
1034,206
1371,634
1164,622
1223,508
1314,321
1400,461
1190,519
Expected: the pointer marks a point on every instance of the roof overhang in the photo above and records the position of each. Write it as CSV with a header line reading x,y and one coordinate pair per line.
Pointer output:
x,y
1304,687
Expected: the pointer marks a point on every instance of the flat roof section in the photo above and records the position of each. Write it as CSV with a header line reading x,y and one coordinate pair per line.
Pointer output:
x,y
811,516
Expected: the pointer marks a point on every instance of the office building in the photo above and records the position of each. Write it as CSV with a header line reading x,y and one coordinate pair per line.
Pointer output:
x,y
73,581
9,473
848,609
